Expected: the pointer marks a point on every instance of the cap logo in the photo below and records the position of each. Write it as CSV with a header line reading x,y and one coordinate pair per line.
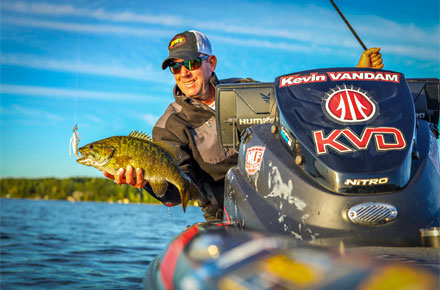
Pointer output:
x,y
177,41
349,105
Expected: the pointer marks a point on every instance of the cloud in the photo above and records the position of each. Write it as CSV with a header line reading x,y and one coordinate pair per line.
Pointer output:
x,y
303,30
30,116
150,119
89,118
281,33
31,61
399,33
148,33
415,53
85,28
261,43
69,10
42,8
62,93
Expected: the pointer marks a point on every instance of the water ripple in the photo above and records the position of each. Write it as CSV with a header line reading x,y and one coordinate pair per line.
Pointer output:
x,y
56,244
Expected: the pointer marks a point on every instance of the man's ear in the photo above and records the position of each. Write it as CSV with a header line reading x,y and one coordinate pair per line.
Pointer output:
x,y
212,60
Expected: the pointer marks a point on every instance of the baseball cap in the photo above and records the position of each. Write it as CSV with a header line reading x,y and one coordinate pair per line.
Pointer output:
x,y
187,45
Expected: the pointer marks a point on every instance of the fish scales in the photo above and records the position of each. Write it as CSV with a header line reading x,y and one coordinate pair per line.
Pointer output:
x,y
156,166
140,151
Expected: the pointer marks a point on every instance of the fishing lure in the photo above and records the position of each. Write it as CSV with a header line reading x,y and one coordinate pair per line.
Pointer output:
x,y
74,140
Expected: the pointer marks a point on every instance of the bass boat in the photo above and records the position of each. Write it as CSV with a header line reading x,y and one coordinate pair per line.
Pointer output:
x,y
337,186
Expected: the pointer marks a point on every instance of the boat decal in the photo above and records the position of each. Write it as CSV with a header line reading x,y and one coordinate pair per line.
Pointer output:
x,y
349,105
297,79
244,251
434,153
254,157
333,140
366,182
364,76
292,80
407,277
297,273
168,265
286,136
228,220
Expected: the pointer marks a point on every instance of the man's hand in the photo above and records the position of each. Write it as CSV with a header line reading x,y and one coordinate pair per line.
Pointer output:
x,y
371,58
127,177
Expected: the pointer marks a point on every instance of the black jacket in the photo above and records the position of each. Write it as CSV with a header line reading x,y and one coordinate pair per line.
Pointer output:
x,y
190,125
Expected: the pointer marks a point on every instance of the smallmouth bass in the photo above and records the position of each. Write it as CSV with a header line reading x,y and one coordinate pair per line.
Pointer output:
x,y
155,158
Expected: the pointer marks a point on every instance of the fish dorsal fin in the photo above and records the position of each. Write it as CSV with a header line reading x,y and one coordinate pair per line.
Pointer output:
x,y
164,145
140,135
170,149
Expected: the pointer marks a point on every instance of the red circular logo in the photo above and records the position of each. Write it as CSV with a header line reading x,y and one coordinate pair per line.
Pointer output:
x,y
349,105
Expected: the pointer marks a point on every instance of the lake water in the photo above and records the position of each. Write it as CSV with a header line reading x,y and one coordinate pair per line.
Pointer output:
x,y
90,245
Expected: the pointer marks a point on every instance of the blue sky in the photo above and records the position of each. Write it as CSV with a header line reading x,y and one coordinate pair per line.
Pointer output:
x,y
104,57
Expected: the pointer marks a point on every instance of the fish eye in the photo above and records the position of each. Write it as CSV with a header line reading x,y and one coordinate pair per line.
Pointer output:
x,y
91,146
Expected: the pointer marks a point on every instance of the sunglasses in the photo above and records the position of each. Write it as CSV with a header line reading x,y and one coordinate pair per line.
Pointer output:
x,y
176,67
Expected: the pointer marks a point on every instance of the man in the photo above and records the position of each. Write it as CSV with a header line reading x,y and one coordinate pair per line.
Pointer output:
x,y
189,122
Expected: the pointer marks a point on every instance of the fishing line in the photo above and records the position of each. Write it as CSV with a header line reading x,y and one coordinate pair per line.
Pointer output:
x,y
76,136
76,75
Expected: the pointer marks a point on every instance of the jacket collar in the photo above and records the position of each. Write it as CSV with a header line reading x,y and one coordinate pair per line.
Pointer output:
x,y
194,112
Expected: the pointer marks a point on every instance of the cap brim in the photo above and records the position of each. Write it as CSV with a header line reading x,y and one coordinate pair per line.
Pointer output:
x,y
185,55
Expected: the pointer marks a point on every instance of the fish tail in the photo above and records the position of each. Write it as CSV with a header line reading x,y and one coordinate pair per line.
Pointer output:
x,y
189,191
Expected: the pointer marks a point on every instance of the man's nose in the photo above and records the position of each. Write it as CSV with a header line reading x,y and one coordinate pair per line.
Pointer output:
x,y
184,71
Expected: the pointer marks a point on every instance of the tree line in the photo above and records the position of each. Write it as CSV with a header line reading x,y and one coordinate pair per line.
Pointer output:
x,y
73,189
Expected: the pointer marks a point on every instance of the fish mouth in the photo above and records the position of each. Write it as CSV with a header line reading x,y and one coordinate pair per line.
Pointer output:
x,y
103,162
89,161
82,158
84,161
81,151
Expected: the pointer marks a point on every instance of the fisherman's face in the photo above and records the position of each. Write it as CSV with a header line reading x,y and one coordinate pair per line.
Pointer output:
x,y
195,83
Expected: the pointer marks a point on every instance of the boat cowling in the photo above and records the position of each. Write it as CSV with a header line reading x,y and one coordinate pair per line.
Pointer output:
x,y
346,160
337,119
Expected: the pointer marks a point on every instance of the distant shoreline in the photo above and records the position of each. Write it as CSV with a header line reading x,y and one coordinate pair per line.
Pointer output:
x,y
75,189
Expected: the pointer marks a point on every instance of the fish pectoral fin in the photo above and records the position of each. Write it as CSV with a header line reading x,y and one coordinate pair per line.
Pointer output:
x,y
159,187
